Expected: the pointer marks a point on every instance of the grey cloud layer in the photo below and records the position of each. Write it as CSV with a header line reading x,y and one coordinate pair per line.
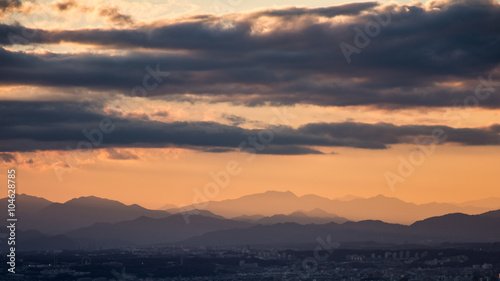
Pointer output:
x,y
297,61
29,126
8,5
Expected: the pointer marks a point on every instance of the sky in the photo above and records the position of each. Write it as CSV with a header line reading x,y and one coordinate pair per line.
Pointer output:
x,y
156,102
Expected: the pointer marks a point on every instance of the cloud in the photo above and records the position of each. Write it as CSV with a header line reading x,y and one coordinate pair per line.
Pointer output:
x,y
120,155
10,5
285,150
424,57
330,12
382,134
218,149
113,15
7,158
32,126
66,5
234,119
443,4
161,113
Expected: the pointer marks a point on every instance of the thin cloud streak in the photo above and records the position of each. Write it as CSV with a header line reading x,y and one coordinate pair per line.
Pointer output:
x,y
31,126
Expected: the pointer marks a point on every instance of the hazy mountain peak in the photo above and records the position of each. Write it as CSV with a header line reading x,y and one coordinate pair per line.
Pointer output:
x,y
93,200
490,203
24,196
279,193
28,203
381,197
168,207
348,197
317,212
390,209
270,194
313,196
298,214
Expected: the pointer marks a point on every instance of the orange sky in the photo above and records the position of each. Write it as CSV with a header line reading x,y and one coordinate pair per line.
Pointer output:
x,y
451,174
152,177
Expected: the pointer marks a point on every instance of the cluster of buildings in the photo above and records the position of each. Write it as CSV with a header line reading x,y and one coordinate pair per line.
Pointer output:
x,y
245,263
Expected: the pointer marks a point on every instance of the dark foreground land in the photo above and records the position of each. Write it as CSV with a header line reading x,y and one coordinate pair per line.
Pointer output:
x,y
458,263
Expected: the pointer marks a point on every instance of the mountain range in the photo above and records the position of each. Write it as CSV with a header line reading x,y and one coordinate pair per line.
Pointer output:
x,y
55,218
316,216
375,208
97,222
450,228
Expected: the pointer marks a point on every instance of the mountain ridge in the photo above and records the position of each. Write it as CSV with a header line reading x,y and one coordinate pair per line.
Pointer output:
x,y
389,209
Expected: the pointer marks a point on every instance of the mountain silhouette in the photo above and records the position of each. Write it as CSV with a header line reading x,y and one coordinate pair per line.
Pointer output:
x,y
457,227
375,208
56,218
448,228
145,230
26,204
316,216
490,203
246,218
97,222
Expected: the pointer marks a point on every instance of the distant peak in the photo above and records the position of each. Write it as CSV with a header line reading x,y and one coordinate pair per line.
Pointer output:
x,y
273,193
298,214
86,198
380,196
317,211
92,200
288,192
168,207
347,198
26,196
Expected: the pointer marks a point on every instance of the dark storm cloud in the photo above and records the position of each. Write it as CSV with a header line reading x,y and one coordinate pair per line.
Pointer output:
x,y
30,126
297,61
